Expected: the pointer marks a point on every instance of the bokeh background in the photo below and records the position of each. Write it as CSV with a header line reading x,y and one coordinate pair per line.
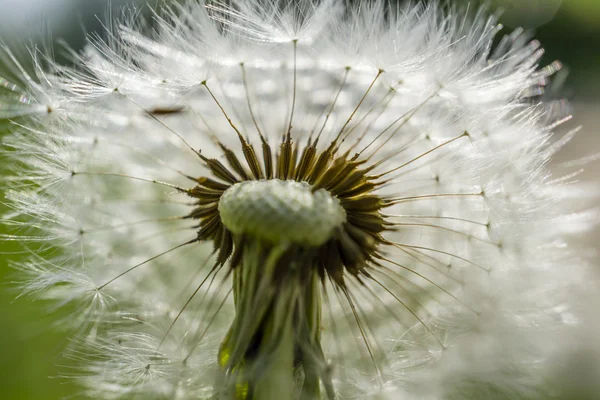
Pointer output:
x,y
30,349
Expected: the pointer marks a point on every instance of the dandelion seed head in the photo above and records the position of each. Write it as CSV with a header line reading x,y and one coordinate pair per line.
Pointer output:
x,y
347,201
289,211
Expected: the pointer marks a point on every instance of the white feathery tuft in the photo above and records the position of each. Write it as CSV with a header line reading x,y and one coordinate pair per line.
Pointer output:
x,y
476,297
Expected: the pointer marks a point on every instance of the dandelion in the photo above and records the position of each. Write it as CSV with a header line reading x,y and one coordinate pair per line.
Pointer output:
x,y
274,200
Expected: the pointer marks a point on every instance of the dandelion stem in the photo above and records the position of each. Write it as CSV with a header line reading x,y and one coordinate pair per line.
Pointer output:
x,y
276,331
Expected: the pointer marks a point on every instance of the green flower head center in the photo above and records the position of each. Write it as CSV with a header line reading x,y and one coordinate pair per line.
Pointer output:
x,y
279,211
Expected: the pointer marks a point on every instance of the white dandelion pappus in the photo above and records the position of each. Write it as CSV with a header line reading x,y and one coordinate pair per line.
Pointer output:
x,y
266,200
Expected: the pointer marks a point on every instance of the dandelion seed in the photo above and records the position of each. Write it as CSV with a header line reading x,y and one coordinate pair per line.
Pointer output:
x,y
274,200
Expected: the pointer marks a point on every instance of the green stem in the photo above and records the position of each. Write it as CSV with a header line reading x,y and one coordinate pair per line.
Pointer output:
x,y
272,350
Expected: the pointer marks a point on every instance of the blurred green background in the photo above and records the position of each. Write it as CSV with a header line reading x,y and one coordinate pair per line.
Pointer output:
x,y
30,355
